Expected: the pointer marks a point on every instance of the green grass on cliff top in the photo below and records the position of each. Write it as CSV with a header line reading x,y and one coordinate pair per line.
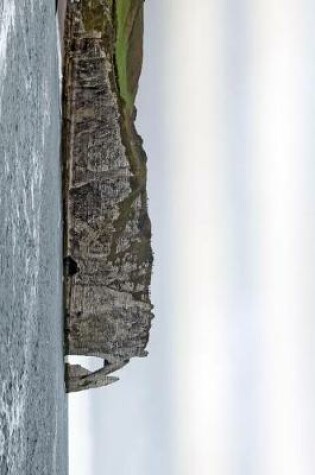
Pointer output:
x,y
128,18
128,50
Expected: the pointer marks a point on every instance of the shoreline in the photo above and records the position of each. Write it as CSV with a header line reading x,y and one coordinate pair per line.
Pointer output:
x,y
61,16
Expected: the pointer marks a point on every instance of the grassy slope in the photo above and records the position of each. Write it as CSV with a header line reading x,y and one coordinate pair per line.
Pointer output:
x,y
128,51
128,59
126,17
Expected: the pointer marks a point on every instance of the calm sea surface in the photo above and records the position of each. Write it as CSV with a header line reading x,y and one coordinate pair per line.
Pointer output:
x,y
33,405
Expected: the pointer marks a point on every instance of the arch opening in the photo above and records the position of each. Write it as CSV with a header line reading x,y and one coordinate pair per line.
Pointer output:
x,y
92,363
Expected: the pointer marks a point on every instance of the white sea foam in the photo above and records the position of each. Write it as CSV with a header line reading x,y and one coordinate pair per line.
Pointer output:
x,y
7,16
55,439
31,296
12,409
59,53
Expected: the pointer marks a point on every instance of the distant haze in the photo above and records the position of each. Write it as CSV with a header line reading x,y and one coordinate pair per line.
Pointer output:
x,y
226,110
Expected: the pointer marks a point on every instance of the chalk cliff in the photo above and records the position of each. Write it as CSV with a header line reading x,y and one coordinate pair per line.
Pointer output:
x,y
107,231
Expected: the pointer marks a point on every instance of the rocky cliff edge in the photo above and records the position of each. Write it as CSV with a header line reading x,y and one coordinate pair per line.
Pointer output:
x,y
107,230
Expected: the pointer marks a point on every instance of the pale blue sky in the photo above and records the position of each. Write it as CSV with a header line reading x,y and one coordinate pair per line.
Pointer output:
x,y
226,110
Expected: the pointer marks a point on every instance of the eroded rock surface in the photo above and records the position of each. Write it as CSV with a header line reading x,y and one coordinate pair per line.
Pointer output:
x,y
107,249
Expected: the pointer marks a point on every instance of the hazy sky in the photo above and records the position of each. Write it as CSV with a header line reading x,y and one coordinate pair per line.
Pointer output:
x,y
226,108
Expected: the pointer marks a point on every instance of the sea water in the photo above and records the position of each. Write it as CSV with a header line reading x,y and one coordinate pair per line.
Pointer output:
x,y
33,405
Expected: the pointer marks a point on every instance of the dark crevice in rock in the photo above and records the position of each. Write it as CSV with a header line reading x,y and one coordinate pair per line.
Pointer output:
x,y
70,266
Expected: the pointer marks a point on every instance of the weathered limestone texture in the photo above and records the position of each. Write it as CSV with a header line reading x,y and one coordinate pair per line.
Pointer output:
x,y
107,248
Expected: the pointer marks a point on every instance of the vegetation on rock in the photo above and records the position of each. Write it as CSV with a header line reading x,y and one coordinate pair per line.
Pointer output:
x,y
129,48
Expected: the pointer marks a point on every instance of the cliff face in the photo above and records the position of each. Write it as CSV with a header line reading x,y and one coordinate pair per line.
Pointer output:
x,y
107,248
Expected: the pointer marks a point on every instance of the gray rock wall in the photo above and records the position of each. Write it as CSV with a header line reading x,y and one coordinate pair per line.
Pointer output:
x,y
108,256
